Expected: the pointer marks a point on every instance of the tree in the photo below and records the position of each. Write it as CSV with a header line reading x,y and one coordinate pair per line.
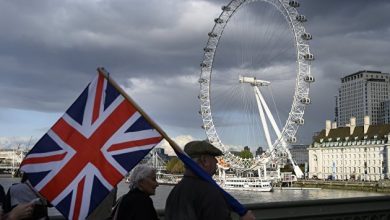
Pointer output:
x,y
175,165
287,168
246,154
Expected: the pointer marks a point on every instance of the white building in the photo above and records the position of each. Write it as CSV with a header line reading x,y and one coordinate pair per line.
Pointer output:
x,y
354,152
10,159
362,93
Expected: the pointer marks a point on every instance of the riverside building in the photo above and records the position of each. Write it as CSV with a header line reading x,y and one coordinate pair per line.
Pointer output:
x,y
353,152
363,93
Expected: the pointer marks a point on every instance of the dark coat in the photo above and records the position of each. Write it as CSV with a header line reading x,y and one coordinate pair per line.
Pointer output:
x,y
136,205
196,199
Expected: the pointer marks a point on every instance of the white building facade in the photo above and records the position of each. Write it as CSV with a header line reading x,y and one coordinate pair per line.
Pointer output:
x,y
363,93
354,152
10,159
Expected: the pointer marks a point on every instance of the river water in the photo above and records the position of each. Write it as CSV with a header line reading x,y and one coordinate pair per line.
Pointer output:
x,y
244,197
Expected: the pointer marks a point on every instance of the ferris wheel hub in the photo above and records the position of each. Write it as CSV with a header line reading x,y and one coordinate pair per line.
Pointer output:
x,y
253,81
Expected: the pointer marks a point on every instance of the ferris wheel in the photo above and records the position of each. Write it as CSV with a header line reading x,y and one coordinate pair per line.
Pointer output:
x,y
285,134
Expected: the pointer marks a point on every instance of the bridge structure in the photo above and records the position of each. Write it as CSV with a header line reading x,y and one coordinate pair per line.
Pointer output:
x,y
156,161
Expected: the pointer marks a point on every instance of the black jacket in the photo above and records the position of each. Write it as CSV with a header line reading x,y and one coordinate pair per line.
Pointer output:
x,y
196,199
136,205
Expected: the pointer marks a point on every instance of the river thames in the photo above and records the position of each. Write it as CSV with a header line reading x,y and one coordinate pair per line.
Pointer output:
x,y
244,197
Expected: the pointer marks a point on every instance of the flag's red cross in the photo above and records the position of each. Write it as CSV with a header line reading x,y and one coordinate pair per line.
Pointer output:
x,y
87,150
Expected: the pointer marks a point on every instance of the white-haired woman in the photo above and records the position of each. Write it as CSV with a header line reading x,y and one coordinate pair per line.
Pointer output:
x,y
137,204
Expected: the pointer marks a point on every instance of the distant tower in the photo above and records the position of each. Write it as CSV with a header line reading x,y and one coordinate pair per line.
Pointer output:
x,y
336,111
259,151
363,93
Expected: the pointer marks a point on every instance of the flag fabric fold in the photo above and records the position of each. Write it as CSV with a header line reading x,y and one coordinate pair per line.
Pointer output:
x,y
89,150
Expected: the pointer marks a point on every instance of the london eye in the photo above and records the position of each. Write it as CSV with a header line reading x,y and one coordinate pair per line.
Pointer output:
x,y
257,56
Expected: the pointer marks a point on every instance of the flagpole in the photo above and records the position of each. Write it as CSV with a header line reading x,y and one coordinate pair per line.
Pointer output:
x,y
174,145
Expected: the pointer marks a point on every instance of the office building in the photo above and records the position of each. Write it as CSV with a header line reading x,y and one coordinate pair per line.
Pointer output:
x,y
363,93
385,112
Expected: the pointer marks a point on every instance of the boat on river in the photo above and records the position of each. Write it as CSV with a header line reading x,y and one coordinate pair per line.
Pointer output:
x,y
246,184
227,183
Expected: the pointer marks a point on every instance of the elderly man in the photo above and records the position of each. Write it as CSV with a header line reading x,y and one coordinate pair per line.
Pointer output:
x,y
195,199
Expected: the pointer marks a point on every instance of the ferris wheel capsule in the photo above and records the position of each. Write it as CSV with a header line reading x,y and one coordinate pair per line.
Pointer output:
x,y
204,65
292,140
207,49
306,36
226,8
218,20
309,78
202,80
299,121
301,18
305,100
309,57
294,4
211,34
201,97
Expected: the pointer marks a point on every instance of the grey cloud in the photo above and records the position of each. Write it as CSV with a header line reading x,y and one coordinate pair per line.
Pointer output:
x,y
49,51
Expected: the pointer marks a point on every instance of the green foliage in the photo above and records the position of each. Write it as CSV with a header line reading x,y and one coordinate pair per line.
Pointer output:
x,y
287,168
175,166
246,154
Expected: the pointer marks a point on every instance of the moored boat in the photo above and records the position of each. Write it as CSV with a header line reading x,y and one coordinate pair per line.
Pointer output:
x,y
246,184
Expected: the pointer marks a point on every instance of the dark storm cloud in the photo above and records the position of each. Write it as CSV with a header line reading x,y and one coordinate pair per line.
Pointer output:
x,y
49,51
55,47
348,36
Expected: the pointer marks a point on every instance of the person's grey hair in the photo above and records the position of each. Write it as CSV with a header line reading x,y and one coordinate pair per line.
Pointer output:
x,y
139,173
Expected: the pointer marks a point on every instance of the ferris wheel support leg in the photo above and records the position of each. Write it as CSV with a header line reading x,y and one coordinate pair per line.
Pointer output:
x,y
262,116
268,112
297,170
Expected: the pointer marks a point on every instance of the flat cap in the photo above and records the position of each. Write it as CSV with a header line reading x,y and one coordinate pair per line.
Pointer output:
x,y
197,148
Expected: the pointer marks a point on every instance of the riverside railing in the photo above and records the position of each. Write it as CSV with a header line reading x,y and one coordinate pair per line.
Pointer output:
x,y
377,207
360,208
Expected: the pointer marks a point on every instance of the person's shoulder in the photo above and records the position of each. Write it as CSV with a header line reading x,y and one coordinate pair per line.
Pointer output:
x,y
19,186
193,180
136,195
200,186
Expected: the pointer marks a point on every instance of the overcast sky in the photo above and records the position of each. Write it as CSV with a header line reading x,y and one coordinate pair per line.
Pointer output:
x,y
49,52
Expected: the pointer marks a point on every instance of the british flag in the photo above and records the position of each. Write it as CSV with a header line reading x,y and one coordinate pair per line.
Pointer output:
x,y
98,140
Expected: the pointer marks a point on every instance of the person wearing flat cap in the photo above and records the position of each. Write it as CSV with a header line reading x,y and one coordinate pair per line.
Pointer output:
x,y
195,199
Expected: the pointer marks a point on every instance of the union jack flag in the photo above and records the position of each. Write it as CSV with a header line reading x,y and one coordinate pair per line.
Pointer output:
x,y
98,140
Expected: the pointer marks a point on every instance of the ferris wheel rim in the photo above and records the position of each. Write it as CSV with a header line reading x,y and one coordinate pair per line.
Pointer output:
x,y
303,58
